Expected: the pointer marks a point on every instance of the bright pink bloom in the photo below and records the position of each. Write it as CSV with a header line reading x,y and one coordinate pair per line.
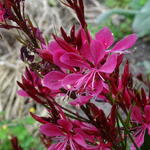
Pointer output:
x,y
143,119
64,136
90,78
2,13
88,62
53,80
31,86
106,38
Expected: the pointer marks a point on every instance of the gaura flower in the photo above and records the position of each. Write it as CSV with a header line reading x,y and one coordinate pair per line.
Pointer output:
x,y
143,120
87,64
31,86
63,136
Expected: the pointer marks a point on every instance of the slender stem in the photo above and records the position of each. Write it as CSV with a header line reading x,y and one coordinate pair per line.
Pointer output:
x,y
127,131
122,144
73,117
86,120
69,111
87,113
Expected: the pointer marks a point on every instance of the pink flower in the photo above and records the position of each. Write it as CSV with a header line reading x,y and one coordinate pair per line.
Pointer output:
x,y
90,78
63,136
53,80
31,86
86,62
2,13
143,119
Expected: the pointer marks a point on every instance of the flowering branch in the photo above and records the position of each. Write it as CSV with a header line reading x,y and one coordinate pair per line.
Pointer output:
x,y
86,71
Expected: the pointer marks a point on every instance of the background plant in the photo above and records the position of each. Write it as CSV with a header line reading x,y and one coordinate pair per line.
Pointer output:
x,y
139,9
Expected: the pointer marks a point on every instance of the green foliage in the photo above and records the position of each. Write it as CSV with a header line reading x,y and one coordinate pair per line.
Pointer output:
x,y
118,31
132,4
141,23
52,3
117,3
18,128
137,4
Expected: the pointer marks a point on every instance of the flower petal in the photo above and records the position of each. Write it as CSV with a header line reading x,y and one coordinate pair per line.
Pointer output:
x,y
80,140
147,112
50,130
97,51
56,58
53,80
73,60
22,93
109,65
53,46
139,139
65,124
45,54
85,51
125,43
71,80
58,146
136,114
81,100
105,36
97,88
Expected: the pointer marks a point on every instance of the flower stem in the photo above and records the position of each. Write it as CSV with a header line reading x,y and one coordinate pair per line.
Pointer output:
x,y
118,126
127,131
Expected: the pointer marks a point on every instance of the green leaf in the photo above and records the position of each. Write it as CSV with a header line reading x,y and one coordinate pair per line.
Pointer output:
x,y
52,2
141,23
102,17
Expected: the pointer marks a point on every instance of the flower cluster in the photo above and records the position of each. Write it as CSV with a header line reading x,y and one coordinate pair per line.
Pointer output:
x,y
86,71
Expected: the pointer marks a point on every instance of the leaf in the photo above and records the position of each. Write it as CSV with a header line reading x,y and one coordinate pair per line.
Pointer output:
x,y
102,17
52,3
141,23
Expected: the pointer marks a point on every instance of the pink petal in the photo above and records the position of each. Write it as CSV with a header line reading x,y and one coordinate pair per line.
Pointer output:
x,y
50,130
54,46
97,51
125,43
109,65
58,146
147,112
105,37
53,80
56,58
73,60
45,54
139,139
136,114
98,87
148,129
81,100
22,93
85,51
65,124
80,140
71,80
84,35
